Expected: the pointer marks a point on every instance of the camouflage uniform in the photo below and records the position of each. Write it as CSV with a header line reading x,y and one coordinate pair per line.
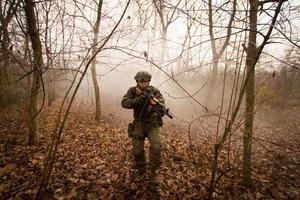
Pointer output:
x,y
146,124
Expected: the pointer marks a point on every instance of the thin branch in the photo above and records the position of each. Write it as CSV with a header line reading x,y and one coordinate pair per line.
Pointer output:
x,y
268,1
282,61
267,36
50,159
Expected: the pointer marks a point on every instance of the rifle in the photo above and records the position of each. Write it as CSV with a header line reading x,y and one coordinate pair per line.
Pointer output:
x,y
158,107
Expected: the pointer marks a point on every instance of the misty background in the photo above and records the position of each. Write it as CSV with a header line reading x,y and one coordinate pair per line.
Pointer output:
x,y
184,54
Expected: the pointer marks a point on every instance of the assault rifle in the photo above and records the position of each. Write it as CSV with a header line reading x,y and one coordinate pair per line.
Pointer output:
x,y
158,107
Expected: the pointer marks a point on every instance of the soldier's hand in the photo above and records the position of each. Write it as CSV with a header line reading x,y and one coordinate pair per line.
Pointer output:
x,y
144,98
147,95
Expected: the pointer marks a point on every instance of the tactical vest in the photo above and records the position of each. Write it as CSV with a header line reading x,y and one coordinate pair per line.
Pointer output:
x,y
145,114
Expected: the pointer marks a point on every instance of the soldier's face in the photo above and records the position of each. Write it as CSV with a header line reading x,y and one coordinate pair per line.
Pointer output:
x,y
143,84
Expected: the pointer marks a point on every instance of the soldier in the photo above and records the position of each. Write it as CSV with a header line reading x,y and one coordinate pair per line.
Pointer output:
x,y
146,122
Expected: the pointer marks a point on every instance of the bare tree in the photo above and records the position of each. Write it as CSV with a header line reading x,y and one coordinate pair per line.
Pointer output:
x,y
253,54
216,54
250,65
49,59
62,116
93,67
37,75
166,18
7,9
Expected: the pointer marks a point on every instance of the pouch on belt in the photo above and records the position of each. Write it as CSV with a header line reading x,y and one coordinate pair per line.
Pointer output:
x,y
130,130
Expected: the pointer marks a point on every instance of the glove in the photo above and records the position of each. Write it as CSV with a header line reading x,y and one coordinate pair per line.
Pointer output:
x,y
139,101
143,98
160,109
146,96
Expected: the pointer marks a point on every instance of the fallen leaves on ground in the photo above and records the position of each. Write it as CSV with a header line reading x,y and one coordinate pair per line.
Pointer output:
x,y
95,162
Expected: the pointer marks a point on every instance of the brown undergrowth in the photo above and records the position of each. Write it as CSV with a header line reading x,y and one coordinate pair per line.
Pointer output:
x,y
95,161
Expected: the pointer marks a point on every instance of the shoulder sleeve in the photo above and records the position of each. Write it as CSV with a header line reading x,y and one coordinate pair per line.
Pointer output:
x,y
128,100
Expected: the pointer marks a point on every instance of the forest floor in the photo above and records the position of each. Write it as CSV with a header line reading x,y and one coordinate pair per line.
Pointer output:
x,y
95,161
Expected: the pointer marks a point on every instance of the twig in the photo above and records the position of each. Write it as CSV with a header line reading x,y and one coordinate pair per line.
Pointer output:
x,y
51,156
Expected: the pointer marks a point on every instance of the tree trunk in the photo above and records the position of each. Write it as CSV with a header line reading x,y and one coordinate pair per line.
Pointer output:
x,y
5,65
51,87
33,109
160,8
62,118
93,68
7,10
253,54
213,77
164,44
37,64
249,116
27,59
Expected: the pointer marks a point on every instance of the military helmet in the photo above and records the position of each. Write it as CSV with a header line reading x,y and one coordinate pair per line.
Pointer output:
x,y
142,75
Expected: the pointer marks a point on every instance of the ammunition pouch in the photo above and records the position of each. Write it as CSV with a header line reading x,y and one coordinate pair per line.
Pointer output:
x,y
156,120
135,131
130,130
138,129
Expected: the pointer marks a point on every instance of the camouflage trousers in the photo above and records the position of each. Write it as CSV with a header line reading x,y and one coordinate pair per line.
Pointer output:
x,y
155,149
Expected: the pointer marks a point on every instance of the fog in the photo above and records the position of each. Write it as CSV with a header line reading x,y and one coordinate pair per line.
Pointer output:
x,y
185,54
174,47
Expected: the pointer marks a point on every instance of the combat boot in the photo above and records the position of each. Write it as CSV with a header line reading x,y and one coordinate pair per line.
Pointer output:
x,y
138,175
152,176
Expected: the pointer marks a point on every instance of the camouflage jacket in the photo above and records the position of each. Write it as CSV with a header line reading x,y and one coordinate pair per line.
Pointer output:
x,y
143,113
